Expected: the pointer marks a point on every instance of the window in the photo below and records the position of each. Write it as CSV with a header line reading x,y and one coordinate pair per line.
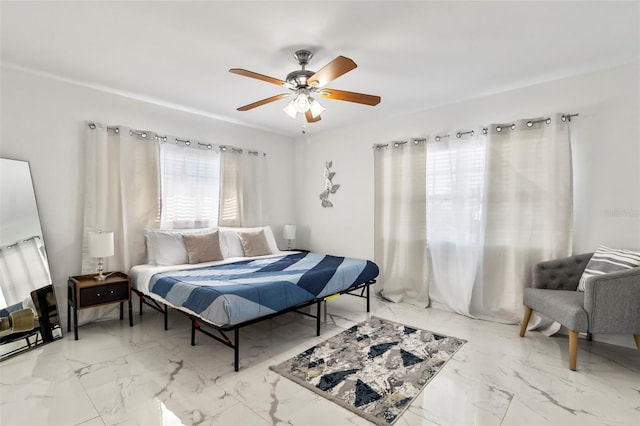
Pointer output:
x,y
190,179
455,184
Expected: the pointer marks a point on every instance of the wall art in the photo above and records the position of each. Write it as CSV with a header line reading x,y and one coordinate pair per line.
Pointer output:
x,y
329,186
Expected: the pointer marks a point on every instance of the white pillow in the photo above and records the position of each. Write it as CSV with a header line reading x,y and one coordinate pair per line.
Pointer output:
x,y
271,240
606,260
166,246
232,247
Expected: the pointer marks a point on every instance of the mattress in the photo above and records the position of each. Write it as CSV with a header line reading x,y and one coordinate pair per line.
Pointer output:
x,y
234,291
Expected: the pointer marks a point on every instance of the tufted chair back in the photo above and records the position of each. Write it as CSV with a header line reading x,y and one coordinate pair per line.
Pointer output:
x,y
561,274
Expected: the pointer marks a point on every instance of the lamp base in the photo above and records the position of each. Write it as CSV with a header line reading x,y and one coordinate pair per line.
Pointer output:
x,y
100,276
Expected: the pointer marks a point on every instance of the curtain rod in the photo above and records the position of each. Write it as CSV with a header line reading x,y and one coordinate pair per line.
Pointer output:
x,y
485,130
35,237
144,134
529,123
398,144
566,117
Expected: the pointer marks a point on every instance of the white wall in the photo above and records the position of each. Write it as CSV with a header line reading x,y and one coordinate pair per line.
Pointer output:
x,y
606,156
42,122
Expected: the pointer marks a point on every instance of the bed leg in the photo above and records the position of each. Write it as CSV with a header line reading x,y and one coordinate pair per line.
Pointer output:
x,y
193,333
319,307
141,299
368,297
236,349
166,318
130,313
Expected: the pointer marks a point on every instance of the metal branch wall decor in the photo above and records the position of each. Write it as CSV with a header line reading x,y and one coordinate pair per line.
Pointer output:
x,y
329,186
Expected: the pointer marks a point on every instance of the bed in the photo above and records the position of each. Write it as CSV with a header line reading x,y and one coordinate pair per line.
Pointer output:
x,y
240,287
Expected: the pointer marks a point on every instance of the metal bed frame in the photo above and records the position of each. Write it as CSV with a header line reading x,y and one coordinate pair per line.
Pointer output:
x,y
198,323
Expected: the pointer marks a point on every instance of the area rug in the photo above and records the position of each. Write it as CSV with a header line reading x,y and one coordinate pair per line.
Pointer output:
x,y
375,368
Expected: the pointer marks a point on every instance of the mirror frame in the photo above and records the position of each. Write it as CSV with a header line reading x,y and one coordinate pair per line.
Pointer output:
x,y
47,328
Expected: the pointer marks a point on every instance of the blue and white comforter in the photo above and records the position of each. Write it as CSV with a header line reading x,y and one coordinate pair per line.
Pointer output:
x,y
233,293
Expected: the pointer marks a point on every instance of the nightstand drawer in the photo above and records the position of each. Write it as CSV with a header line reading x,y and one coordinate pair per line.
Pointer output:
x,y
106,293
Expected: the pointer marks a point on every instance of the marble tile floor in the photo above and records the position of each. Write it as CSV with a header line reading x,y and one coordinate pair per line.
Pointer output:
x,y
117,375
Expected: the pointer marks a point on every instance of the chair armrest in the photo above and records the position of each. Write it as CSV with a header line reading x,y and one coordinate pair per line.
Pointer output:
x,y
612,302
560,274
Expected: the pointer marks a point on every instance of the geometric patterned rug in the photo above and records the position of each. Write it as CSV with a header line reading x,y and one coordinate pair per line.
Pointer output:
x,y
375,368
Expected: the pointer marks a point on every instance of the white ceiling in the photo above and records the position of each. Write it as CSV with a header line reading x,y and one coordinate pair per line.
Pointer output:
x,y
412,54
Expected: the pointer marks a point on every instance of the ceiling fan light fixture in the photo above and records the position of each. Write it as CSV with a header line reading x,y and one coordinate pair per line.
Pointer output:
x,y
290,109
302,103
303,83
315,108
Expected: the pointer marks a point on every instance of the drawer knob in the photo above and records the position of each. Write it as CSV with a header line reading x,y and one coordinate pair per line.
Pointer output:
x,y
98,294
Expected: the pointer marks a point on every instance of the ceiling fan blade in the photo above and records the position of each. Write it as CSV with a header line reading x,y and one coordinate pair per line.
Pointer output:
x,y
311,118
341,95
255,75
263,101
334,69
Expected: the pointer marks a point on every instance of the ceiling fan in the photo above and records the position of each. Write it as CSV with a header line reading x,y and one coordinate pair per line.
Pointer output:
x,y
304,84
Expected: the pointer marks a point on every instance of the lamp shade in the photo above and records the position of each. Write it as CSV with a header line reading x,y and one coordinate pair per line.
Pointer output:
x,y
289,232
316,109
100,244
291,109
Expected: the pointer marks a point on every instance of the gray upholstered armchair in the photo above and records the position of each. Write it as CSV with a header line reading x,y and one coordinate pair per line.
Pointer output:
x,y
609,304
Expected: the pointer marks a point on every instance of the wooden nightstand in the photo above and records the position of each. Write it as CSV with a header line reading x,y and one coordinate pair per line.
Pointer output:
x,y
85,292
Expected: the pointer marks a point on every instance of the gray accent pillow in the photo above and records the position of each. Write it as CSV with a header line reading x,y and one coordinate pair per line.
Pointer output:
x,y
606,260
254,243
203,247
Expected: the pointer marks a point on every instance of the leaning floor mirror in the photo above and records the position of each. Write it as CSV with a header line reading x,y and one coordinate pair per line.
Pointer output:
x,y
28,308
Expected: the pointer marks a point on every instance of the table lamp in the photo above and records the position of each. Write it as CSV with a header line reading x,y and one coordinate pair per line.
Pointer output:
x,y
100,246
289,234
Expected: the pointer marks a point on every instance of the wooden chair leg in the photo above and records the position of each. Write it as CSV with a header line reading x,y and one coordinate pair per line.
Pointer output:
x,y
573,349
525,320
636,337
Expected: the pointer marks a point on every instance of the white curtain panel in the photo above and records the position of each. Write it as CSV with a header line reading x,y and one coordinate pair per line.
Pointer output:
x,y
230,213
400,222
24,265
455,186
527,211
254,171
243,176
121,193
190,186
